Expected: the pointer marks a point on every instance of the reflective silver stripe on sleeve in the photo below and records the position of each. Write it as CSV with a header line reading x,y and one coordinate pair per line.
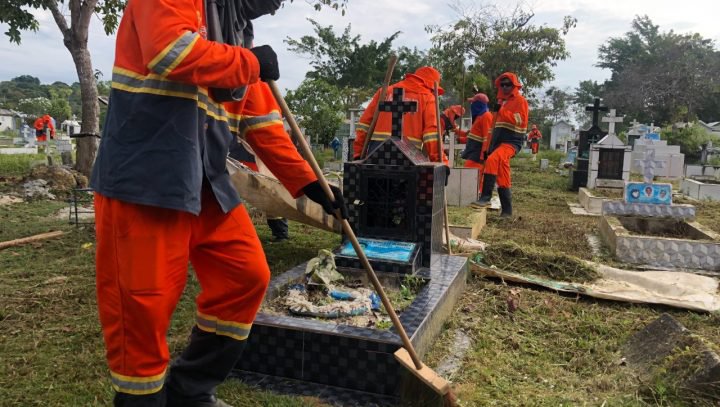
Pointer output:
x,y
250,122
171,55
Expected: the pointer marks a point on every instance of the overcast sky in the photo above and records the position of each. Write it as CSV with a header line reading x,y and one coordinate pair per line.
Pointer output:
x,y
43,55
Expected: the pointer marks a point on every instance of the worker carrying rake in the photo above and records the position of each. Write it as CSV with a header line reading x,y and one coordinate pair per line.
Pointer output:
x,y
186,81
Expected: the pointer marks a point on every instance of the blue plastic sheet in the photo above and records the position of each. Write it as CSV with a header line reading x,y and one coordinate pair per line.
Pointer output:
x,y
381,249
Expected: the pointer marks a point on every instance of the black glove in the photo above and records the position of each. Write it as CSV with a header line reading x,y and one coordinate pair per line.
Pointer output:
x,y
447,174
315,193
267,58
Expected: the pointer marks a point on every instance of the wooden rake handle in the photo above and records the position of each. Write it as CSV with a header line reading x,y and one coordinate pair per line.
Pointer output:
x,y
376,115
305,149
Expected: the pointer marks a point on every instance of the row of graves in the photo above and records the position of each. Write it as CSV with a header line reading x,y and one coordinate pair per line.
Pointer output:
x,y
396,200
638,221
702,181
25,142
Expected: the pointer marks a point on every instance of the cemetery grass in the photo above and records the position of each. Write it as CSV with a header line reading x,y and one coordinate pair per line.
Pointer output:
x,y
51,349
552,350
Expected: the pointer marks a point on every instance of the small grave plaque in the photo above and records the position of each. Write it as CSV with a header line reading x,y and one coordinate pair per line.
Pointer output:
x,y
640,192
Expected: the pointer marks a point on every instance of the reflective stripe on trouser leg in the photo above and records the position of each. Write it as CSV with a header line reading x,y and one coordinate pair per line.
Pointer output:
x,y
498,163
141,261
230,264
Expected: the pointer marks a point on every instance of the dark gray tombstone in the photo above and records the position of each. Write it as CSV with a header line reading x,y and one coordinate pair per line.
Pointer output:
x,y
579,176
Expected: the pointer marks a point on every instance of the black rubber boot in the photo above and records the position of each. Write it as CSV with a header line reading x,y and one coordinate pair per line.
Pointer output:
x,y
279,229
505,202
205,363
486,194
146,400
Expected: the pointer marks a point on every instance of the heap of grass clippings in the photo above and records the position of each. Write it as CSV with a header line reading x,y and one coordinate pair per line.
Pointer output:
x,y
510,256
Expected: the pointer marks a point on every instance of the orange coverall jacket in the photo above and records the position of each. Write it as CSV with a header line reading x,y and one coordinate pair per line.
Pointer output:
x,y
419,128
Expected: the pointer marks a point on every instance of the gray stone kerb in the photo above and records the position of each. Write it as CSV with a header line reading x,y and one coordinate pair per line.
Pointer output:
x,y
676,211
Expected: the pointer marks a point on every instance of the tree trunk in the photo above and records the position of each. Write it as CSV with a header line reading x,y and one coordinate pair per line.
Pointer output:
x,y
86,146
75,38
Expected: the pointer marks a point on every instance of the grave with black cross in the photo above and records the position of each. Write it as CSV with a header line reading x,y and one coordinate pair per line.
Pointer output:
x,y
395,199
580,172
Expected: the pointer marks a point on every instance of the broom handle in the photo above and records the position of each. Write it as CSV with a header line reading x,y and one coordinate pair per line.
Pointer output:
x,y
305,149
383,93
440,147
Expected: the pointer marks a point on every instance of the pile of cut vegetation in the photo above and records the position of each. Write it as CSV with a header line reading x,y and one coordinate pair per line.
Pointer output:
x,y
510,256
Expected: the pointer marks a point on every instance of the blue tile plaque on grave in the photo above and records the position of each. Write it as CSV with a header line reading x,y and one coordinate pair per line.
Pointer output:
x,y
381,249
641,192
652,136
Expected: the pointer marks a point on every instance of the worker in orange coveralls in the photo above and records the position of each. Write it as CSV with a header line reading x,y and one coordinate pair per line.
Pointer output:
x,y
449,117
477,140
507,139
533,139
42,125
163,196
419,127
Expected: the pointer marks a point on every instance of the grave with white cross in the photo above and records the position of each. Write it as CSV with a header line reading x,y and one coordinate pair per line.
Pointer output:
x,y
610,158
670,154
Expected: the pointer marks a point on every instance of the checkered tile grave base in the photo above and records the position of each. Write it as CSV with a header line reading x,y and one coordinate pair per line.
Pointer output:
x,y
349,357
334,396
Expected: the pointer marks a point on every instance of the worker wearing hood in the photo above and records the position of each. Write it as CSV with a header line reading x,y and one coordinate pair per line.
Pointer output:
x,y
419,127
507,138
533,139
477,140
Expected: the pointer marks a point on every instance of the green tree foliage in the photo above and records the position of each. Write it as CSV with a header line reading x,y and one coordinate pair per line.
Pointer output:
x,y
584,95
356,68
34,107
487,42
691,139
317,105
661,77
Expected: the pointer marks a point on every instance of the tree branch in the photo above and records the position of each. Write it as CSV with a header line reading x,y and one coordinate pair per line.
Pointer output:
x,y
59,19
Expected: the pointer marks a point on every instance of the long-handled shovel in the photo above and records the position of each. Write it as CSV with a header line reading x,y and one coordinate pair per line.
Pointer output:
x,y
413,363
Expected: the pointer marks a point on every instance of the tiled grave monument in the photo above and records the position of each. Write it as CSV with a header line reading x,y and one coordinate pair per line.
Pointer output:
x,y
647,228
395,196
610,158
671,155
609,166
580,172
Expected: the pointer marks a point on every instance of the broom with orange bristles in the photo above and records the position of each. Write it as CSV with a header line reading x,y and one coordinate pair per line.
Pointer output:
x,y
406,355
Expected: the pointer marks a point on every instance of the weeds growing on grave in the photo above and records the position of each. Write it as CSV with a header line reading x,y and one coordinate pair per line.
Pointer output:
x,y
510,256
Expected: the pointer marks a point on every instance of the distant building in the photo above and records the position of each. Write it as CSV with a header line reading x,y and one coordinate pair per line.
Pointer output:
x,y
9,119
712,128
560,133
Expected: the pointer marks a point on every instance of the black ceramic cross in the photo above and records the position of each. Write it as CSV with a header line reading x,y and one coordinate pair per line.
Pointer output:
x,y
596,109
397,106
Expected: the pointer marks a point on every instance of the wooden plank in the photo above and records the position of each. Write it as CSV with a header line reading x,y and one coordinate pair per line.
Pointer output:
x,y
30,239
270,196
427,375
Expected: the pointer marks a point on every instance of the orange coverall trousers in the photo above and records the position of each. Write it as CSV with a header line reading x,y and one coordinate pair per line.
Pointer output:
x,y
142,267
498,164
480,167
